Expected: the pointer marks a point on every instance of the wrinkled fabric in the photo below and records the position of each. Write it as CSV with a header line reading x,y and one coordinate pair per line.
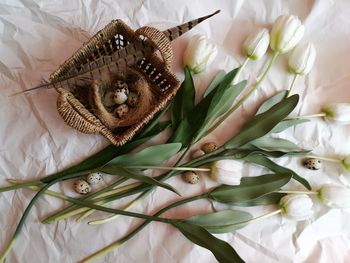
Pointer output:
x,y
37,36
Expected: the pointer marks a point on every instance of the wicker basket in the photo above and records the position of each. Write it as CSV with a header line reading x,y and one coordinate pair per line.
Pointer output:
x,y
73,104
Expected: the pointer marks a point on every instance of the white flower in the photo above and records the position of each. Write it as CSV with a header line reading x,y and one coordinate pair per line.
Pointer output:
x,y
336,196
302,59
286,33
296,206
338,112
227,172
199,54
256,44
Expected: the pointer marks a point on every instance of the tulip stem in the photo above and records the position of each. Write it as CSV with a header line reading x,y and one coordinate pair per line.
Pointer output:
x,y
265,216
292,84
333,160
179,168
297,192
244,64
322,114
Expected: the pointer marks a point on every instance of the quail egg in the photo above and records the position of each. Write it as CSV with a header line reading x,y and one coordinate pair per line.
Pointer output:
x,y
312,164
132,99
121,111
190,177
82,187
94,178
209,147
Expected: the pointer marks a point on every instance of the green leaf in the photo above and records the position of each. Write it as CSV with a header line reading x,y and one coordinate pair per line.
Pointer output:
x,y
221,222
278,97
150,156
269,199
183,102
222,251
215,82
117,170
263,123
266,162
285,124
250,188
275,144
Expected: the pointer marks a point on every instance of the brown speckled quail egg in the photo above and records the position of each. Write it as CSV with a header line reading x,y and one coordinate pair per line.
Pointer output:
x,y
209,147
121,95
190,177
94,178
121,110
132,99
312,164
82,187
108,99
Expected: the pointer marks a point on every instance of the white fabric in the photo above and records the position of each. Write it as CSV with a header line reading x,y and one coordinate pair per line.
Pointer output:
x,y
36,36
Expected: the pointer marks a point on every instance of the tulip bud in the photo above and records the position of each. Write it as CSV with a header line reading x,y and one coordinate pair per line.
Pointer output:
x,y
302,59
286,33
296,206
338,112
227,172
336,196
199,54
256,44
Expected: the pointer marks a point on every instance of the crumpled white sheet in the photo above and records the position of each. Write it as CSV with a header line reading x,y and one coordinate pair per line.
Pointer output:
x,y
36,36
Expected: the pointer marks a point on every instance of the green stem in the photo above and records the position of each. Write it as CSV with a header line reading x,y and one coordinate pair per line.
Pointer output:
x,y
173,168
297,192
22,185
116,244
324,158
292,84
242,100
317,115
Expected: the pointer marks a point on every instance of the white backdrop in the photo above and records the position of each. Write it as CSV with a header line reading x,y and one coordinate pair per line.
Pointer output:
x,y
36,36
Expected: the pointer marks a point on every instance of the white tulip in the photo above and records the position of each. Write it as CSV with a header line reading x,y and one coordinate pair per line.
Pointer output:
x,y
256,44
199,54
286,33
336,196
296,206
227,172
302,59
338,112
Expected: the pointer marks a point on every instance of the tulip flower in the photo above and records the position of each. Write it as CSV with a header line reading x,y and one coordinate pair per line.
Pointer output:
x,y
227,172
286,33
199,54
296,206
302,59
336,196
256,44
337,112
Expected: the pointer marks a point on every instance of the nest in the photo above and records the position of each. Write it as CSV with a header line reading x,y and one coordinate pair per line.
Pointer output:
x,y
88,108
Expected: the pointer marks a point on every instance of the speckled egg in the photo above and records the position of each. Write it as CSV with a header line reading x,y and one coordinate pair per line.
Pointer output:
x,y
312,164
120,84
132,99
190,177
197,153
121,111
108,99
82,187
209,147
94,178
121,95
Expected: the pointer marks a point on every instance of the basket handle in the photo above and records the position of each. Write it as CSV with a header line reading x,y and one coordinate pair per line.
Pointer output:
x,y
160,41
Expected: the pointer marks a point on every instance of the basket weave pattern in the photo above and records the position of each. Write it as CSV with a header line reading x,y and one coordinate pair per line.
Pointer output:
x,y
73,103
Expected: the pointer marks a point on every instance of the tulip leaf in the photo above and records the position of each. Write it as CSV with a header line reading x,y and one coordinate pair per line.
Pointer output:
x,y
221,222
275,144
250,188
278,97
269,199
285,124
222,251
153,155
183,102
215,82
263,123
266,162
113,169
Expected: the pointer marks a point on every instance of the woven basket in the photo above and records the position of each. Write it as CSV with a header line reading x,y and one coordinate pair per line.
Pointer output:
x,y
73,103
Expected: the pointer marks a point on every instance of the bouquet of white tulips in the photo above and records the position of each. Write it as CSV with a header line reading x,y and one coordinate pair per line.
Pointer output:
x,y
190,122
